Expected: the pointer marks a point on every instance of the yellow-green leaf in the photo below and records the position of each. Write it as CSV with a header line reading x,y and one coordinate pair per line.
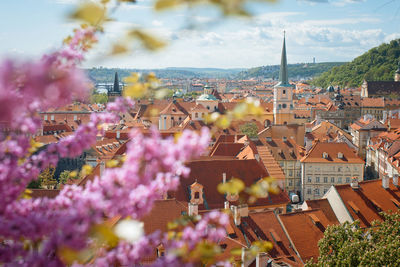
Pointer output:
x,y
149,41
165,4
233,186
90,13
118,49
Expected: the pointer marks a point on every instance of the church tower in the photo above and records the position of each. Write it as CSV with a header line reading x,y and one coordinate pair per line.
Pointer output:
x,y
283,93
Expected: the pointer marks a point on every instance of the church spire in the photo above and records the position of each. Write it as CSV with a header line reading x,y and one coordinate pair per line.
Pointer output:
x,y
283,74
116,83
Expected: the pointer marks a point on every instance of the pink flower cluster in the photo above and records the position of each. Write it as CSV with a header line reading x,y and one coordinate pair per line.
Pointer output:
x,y
33,231
53,81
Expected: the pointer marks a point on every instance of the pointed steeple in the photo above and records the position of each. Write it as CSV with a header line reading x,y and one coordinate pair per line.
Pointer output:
x,y
116,83
283,73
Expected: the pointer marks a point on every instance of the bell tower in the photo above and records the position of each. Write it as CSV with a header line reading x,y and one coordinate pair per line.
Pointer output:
x,y
283,93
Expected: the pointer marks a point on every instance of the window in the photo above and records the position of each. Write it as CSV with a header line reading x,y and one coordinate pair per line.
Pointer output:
x,y
308,191
317,179
290,182
309,179
332,180
196,195
298,182
284,92
195,115
339,180
284,105
317,191
339,169
325,179
290,173
208,107
325,190
347,179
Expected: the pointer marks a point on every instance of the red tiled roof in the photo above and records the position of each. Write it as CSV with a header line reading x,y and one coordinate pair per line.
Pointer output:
x,y
332,149
209,171
368,200
305,229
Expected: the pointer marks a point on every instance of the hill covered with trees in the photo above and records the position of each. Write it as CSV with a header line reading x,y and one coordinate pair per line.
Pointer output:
x,y
107,74
296,71
378,64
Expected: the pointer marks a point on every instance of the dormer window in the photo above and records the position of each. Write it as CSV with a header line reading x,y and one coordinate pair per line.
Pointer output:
x,y
52,117
340,155
45,117
324,155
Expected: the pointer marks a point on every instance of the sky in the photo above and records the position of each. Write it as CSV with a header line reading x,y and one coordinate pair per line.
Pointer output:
x,y
329,30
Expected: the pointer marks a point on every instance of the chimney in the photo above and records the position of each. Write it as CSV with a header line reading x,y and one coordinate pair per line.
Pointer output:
x,y
102,167
262,259
354,183
226,205
385,182
243,210
193,209
224,177
236,215
396,180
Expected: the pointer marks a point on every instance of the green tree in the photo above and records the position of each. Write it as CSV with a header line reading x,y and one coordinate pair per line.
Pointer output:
x,y
100,98
250,129
350,245
46,178
64,177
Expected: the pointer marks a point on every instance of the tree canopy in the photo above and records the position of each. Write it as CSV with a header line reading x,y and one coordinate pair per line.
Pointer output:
x,y
350,245
378,64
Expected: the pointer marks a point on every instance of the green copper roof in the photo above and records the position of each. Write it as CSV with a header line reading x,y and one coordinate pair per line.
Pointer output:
x,y
206,97
283,73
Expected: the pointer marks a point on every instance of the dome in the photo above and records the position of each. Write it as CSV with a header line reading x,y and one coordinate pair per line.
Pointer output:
x,y
207,97
178,94
330,89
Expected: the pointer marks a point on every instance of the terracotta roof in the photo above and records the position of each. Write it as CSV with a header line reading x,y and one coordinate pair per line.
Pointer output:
x,y
327,130
173,109
265,226
305,229
366,202
332,149
209,172
49,193
367,123
373,102
324,206
273,167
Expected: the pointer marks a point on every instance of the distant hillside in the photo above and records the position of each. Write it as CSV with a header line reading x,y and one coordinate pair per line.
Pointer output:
x,y
296,71
378,64
107,74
